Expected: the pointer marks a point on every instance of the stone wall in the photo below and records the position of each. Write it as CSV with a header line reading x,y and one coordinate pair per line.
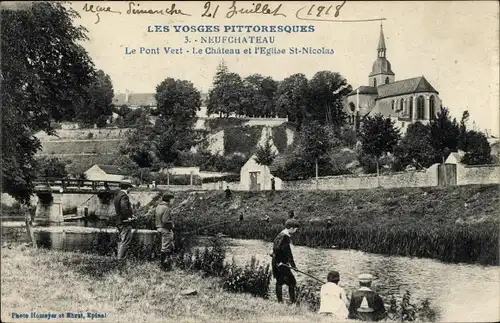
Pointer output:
x,y
352,182
480,174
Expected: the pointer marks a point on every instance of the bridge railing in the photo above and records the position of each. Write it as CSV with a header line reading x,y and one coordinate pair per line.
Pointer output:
x,y
64,183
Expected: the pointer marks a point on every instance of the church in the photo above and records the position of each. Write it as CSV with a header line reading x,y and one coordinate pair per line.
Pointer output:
x,y
405,101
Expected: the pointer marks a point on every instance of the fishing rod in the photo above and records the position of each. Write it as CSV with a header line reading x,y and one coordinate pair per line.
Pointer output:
x,y
302,272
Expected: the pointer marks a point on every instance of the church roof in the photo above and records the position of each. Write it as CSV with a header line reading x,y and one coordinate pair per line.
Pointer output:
x,y
381,41
408,86
364,90
135,99
381,66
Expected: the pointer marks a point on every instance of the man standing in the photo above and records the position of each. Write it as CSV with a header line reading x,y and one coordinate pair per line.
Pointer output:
x,y
282,261
165,226
273,184
366,305
124,218
333,297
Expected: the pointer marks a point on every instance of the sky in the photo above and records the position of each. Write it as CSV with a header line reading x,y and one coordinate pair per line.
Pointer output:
x,y
454,45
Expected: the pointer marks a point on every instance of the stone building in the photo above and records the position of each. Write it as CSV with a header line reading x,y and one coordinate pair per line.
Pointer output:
x,y
404,101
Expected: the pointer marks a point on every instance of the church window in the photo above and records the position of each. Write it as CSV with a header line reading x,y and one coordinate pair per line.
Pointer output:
x,y
420,108
401,105
386,80
432,108
393,104
352,106
374,82
410,110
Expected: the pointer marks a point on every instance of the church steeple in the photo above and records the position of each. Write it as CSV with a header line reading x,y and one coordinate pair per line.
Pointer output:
x,y
381,69
381,43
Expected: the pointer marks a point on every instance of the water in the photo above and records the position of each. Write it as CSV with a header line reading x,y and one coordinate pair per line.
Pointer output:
x,y
463,293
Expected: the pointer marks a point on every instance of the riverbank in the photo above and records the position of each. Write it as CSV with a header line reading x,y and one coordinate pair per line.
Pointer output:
x,y
42,281
453,224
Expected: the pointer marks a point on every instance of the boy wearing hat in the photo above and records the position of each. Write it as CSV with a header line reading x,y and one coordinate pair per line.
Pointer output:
x,y
333,297
165,226
366,305
282,254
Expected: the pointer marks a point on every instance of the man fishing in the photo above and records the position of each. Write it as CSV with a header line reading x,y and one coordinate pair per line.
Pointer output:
x,y
165,226
366,305
124,218
283,262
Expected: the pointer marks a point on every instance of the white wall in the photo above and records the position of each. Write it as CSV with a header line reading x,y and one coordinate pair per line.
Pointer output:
x,y
94,173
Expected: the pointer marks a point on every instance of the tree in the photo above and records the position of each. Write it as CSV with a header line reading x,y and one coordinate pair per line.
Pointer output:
x,y
415,149
98,104
177,103
378,137
444,134
327,90
265,155
138,143
292,98
44,70
51,167
477,148
315,142
227,92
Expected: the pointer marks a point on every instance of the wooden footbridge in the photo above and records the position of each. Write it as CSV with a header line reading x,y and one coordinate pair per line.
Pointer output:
x,y
76,186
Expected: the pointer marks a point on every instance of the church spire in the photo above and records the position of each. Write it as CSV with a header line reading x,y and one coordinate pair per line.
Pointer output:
x,y
381,43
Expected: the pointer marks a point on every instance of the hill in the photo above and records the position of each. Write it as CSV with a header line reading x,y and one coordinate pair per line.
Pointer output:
x,y
453,224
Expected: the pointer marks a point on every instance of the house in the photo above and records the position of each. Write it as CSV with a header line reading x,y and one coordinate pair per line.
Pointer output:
x,y
455,157
256,177
106,173
135,100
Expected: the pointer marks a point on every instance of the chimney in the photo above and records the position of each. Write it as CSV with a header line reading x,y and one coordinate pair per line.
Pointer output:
x,y
126,97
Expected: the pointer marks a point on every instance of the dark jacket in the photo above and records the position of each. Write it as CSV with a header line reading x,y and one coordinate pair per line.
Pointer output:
x,y
123,208
282,251
163,216
375,303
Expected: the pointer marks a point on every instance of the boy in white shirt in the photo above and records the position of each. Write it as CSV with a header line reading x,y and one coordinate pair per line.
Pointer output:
x,y
333,297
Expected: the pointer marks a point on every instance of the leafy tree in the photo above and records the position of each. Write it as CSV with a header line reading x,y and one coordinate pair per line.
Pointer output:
x,y
44,71
177,103
51,167
315,142
97,106
477,148
327,90
378,136
292,98
265,155
138,143
444,134
415,148
227,93
260,95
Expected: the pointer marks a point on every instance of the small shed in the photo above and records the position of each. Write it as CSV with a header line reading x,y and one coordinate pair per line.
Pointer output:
x,y
106,173
256,177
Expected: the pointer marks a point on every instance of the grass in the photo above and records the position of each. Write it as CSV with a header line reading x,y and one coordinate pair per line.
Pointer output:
x,y
39,280
456,224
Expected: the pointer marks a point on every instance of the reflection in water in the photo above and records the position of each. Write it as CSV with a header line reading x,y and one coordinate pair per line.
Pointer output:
x,y
462,292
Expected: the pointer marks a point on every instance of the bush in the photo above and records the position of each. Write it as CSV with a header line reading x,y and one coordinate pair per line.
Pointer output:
x,y
242,139
280,138
217,124
252,279
226,178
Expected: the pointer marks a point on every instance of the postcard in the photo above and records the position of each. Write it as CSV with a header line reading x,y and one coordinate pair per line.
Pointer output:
x,y
250,161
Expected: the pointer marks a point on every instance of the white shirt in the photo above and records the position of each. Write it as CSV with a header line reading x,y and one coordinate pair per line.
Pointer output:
x,y
333,300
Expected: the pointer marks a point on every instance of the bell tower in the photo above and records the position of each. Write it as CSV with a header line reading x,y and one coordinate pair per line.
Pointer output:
x,y
381,69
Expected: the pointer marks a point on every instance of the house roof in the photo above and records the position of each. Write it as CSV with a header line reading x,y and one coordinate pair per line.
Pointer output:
x,y
364,90
135,99
412,85
111,169
144,99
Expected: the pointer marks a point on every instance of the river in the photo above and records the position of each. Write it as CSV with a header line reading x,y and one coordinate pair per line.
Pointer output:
x,y
462,292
